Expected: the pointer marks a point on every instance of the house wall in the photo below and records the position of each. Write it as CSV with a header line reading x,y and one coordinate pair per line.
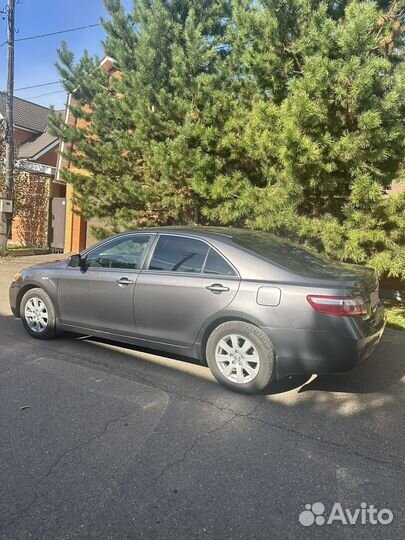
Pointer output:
x,y
21,136
32,196
75,227
58,189
397,187
50,158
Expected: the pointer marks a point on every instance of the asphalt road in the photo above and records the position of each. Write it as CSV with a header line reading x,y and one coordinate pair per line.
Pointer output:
x,y
102,441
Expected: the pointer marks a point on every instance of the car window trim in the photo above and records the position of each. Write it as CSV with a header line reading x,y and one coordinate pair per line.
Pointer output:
x,y
108,241
194,274
222,257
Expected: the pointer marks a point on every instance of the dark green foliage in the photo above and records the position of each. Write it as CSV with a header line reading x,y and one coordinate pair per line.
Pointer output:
x,y
277,115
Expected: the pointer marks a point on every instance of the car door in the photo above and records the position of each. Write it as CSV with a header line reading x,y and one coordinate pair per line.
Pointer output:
x,y
99,295
186,282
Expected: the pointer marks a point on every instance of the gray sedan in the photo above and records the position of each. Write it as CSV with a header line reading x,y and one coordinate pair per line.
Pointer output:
x,y
253,306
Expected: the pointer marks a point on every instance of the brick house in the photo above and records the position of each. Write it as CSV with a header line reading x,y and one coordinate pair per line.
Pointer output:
x,y
35,169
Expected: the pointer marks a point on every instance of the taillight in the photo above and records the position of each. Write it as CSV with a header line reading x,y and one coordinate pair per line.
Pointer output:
x,y
339,306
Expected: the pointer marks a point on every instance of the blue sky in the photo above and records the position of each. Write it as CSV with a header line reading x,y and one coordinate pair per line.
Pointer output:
x,y
35,59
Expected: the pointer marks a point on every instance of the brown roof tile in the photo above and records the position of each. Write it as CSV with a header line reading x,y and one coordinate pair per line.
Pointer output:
x,y
27,115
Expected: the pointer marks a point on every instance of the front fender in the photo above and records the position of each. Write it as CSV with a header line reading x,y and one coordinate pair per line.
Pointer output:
x,y
47,281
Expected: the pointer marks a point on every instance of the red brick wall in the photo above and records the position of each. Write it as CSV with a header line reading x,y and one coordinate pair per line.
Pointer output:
x,y
50,158
21,136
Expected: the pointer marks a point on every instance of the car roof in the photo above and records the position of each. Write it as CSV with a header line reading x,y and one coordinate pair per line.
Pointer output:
x,y
223,233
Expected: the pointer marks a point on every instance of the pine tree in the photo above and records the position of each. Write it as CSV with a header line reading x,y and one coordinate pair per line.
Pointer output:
x,y
153,130
319,127
282,115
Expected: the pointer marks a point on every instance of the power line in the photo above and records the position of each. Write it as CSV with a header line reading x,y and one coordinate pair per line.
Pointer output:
x,y
38,36
37,86
47,94
59,32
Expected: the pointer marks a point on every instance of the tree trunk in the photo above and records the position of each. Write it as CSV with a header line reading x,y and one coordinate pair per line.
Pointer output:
x,y
197,214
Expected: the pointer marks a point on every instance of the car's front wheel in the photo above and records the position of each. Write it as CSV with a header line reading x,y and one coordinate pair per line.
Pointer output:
x,y
241,356
38,314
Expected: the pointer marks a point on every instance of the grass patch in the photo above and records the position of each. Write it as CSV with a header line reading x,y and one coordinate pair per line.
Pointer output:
x,y
396,316
14,249
17,251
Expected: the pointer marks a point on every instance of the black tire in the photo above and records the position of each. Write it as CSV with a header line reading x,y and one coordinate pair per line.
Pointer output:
x,y
260,342
49,331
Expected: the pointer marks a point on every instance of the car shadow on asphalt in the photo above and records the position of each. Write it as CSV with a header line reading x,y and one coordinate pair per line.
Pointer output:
x,y
276,387
384,369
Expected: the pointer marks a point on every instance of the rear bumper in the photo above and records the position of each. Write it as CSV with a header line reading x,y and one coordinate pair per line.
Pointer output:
x,y
347,344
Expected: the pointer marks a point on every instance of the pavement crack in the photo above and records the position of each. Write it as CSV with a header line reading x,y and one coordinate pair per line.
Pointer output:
x,y
191,447
398,466
185,453
249,416
78,447
52,467
201,437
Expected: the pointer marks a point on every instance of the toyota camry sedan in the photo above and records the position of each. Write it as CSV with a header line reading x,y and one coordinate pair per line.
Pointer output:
x,y
252,306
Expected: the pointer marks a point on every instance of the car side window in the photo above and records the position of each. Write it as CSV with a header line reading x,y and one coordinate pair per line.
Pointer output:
x,y
126,252
217,265
178,254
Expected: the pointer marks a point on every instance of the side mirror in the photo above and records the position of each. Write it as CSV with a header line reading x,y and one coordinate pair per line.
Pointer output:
x,y
75,260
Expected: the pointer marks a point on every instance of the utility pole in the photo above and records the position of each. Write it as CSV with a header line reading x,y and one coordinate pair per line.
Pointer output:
x,y
6,215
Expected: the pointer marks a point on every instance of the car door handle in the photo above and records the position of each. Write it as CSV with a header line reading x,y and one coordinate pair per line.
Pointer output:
x,y
124,281
217,288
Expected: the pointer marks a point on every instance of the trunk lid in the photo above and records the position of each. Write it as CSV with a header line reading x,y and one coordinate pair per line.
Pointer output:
x,y
357,280
314,268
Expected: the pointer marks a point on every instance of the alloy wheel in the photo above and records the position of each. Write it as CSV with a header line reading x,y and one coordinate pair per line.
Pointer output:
x,y
237,358
36,314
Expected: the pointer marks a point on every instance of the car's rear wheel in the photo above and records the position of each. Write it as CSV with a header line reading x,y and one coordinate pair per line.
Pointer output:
x,y
38,314
241,356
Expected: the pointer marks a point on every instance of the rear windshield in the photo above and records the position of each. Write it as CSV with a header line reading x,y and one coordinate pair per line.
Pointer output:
x,y
285,253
